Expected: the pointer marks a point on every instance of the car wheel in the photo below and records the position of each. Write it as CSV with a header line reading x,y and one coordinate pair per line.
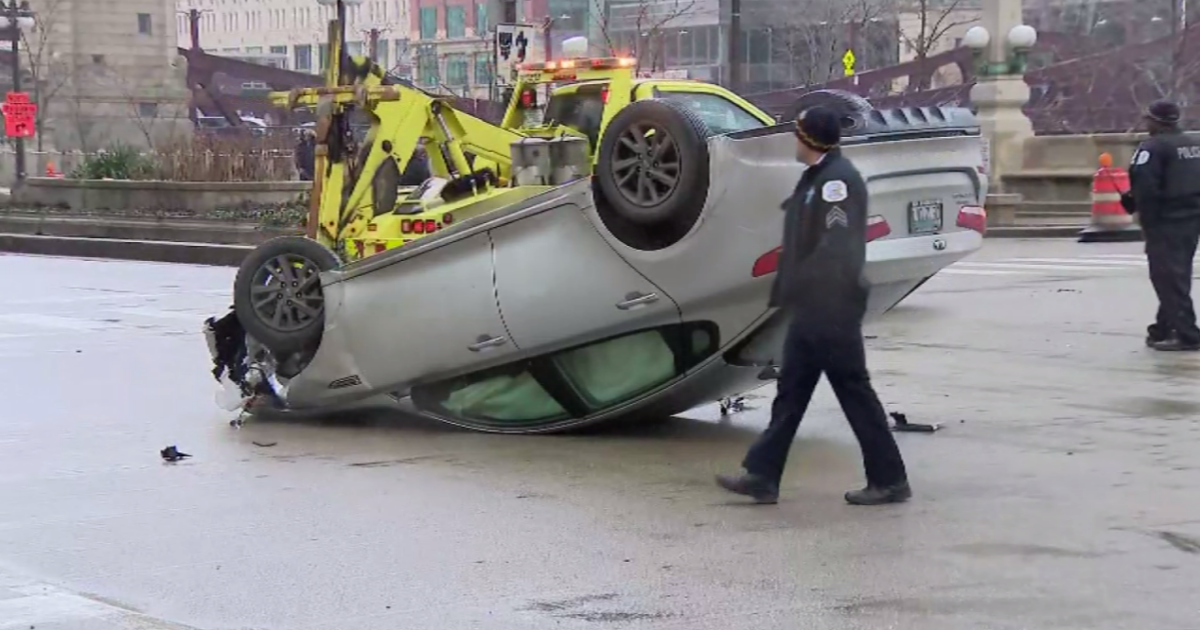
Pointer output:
x,y
652,173
851,108
277,294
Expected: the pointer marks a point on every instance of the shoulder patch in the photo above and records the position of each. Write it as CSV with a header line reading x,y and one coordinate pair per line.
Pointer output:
x,y
1141,157
836,216
834,191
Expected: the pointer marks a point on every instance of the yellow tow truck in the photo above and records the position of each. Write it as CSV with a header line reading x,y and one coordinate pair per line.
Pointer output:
x,y
357,206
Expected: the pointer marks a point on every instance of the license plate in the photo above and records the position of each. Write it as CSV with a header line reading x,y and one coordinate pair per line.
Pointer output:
x,y
924,217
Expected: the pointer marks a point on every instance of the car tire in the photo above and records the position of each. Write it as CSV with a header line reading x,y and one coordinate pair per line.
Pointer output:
x,y
294,320
636,201
851,108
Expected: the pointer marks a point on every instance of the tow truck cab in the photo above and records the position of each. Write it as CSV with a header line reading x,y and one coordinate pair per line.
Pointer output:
x,y
585,94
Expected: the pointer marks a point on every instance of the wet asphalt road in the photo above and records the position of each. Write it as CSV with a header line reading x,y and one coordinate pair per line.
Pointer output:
x,y
1062,494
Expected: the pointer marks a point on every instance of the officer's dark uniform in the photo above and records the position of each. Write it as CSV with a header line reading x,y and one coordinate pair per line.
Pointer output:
x,y
306,156
1165,193
820,284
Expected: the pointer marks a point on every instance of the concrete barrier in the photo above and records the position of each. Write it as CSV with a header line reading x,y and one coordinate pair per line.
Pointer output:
x,y
196,197
170,230
1055,153
154,251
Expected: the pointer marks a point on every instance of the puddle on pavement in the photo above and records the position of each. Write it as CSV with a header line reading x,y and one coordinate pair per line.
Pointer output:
x,y
1160,407
1009,549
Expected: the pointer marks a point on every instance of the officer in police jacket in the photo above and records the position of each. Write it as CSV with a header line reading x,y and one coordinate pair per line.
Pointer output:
x,y
820,286
1165,193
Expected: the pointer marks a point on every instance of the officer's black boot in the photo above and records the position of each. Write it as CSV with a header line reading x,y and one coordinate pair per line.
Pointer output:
x,y
1155,334
753,486
875,495
1175,344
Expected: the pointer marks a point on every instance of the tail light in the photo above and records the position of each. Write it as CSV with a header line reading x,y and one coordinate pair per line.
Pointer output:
x,y
766,264
604,95
877,228
972,218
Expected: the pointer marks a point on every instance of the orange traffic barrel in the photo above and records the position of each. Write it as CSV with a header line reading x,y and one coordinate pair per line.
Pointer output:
x,y
1110,222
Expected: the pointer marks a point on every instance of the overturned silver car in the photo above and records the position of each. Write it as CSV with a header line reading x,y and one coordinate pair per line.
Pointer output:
x,y
556,312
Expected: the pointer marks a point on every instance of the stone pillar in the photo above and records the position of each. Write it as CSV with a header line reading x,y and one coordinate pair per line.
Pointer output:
x,y
999,98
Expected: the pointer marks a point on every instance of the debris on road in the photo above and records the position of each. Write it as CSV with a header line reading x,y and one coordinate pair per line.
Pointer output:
x,y
265,444
903,425
172,454
732,404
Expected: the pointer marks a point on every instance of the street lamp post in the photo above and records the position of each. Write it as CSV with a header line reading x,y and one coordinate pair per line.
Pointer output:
x,y
1000,48
15,19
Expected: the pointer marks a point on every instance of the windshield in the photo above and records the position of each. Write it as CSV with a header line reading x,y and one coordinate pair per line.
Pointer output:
x,y
719,113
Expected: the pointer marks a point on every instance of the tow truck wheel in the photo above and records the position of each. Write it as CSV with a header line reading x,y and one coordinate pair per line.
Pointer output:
x,y
277,294
653,172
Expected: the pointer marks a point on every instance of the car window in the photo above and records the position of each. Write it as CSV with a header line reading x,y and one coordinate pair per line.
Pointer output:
x,y
580,109
571,383
506,396
719,113
619,369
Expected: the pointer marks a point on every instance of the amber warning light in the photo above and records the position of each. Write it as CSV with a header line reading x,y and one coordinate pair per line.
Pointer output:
x,y
598,63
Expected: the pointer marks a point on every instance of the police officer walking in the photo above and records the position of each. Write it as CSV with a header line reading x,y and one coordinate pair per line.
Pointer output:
x,y
820,286
1165,193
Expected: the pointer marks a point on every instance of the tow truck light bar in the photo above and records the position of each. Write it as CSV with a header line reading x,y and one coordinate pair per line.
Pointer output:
x,y
599,63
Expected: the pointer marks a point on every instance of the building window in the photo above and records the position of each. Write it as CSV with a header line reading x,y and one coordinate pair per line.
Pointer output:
x,y
456,70
381,55
354,49
481,19
401,51
483,68
323,56
304,58
145,25
428,22
456,22
427,66
147,110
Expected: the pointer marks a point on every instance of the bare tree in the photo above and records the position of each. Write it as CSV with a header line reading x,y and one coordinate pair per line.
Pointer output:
x,y
809,38
935,20
639,27
145,107
47,69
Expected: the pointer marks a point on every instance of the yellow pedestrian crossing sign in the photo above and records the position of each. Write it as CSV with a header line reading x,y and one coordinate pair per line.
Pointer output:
x,y
848,60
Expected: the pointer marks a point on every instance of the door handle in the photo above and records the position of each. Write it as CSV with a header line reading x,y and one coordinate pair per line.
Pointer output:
x,y
484,342
634,300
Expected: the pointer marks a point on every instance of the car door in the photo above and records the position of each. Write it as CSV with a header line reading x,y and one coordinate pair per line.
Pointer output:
x,y
429,315
559,283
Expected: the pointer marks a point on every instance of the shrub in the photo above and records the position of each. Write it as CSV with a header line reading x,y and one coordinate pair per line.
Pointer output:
x,y
118,162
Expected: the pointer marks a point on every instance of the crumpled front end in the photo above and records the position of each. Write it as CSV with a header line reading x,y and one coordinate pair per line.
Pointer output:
x,y
244,368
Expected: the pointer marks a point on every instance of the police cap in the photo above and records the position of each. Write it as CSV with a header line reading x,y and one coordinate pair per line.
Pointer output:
x,y
1164,111
819,128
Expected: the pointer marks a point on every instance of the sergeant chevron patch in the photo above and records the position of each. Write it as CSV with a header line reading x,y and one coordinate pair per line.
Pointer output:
x,y
836,216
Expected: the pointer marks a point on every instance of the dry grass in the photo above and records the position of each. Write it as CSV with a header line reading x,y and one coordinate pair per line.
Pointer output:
x,y
211,158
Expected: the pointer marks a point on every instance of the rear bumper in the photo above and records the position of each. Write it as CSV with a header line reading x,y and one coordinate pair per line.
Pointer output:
x,y
915,258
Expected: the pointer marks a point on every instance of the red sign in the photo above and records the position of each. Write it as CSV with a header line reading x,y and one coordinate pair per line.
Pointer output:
x,y
19,115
